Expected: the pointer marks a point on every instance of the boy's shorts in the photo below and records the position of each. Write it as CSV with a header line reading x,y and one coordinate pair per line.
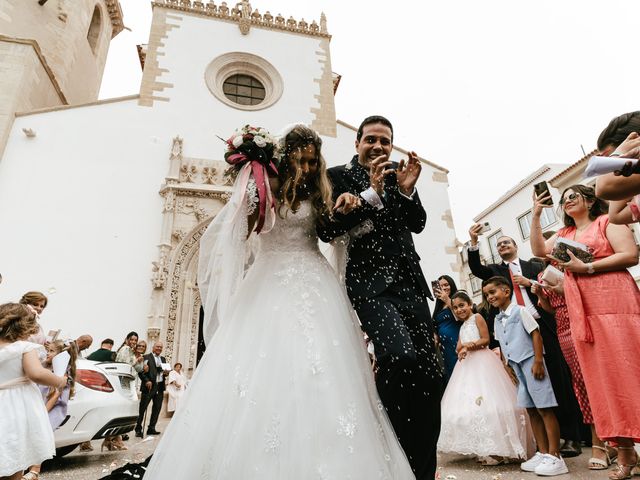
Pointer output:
x,y
533,393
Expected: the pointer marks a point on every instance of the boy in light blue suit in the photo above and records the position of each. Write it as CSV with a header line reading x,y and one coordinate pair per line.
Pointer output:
x,y
521,345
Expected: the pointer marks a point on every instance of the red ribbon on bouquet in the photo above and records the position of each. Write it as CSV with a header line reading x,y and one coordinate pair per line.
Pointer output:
x,y
260,173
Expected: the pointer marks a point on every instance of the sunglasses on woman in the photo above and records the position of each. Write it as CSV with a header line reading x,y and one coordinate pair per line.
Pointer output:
x,y
570,198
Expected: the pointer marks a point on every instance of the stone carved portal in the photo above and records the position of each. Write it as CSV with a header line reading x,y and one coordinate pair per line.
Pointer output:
x,y
194,192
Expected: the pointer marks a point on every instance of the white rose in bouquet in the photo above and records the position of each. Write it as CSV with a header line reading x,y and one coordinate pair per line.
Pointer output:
x,y
260,141
237,141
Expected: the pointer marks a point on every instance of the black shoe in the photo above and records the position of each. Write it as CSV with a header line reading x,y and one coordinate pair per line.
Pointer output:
x,y
570,448
125,437
153,432
138,434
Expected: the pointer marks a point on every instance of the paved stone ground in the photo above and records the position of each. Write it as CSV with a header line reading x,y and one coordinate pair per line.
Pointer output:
x,y
94,465
454,467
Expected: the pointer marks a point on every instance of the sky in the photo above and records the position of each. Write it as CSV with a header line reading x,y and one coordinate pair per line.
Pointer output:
x,y
490,90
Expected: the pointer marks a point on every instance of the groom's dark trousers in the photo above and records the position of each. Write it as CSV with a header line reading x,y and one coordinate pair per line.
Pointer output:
x,y
388,291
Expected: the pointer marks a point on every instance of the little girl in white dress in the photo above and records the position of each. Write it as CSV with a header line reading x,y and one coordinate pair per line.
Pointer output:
x,y
479,412
27,436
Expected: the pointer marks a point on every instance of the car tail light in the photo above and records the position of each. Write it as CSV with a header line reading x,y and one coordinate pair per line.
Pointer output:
x,y
93,380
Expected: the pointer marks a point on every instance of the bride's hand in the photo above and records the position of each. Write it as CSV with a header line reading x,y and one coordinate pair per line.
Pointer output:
x,y
347,202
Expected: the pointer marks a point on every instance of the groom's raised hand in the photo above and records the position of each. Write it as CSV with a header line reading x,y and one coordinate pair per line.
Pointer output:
x,y
377,172
408,173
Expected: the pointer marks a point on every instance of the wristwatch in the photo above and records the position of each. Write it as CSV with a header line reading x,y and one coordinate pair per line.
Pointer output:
x,y
590,269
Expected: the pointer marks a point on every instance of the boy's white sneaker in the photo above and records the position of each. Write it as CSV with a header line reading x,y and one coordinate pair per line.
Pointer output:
x,y
551,466
531,464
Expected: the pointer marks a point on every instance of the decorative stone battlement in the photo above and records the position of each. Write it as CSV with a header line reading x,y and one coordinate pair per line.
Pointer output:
x,y
246,17
115,14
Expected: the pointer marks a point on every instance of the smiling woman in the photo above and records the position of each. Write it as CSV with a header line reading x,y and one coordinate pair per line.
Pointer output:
x,y
603,301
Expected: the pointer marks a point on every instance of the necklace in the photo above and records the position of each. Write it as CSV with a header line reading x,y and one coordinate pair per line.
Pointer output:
x,y
581,229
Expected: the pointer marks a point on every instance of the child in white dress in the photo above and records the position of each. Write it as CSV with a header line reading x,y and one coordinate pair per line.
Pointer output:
x,y
27,436
479,412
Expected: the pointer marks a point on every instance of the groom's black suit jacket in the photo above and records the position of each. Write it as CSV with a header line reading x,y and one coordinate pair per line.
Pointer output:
x,y
384,241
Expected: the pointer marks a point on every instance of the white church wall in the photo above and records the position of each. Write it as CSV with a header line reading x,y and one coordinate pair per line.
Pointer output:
x,y
190,101
84,215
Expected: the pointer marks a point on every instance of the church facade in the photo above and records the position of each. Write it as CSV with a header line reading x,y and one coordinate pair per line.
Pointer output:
x,y
106,200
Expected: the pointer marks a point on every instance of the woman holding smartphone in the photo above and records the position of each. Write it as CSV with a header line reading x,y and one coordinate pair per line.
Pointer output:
x,y
447,324
603,303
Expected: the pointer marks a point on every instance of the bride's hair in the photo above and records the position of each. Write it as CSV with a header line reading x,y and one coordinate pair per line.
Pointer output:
x,y
318,188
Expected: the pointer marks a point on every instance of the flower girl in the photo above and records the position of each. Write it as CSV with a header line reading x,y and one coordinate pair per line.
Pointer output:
x,y
27,434
479,412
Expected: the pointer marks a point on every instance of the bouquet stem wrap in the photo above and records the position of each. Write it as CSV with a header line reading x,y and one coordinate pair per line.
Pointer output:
x,y
261,175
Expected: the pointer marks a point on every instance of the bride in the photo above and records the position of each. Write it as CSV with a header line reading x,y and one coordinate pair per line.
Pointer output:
x,y
285,389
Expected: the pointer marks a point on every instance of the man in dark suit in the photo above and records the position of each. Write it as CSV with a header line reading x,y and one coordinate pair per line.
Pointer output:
x,y
521,273
387,287
152,388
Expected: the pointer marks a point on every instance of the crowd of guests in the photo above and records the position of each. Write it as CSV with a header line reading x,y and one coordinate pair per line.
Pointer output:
x,y
567,331
35,400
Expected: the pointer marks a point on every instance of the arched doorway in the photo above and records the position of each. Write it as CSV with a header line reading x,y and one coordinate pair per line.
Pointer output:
x,y
184,304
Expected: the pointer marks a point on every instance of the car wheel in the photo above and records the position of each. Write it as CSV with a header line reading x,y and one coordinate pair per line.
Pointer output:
x,y
62,451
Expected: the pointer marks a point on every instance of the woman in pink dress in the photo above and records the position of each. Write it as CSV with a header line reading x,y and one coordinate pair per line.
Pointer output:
x,y
551,298
604,310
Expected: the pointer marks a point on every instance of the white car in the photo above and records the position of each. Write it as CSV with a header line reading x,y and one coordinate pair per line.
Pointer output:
x,y
105,403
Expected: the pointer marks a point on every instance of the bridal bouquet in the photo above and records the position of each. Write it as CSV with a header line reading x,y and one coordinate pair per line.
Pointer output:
x,y
251,143
253,151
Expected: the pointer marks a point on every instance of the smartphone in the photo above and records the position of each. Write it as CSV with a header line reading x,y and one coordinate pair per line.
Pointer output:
x,y
435,285
543,188
485,228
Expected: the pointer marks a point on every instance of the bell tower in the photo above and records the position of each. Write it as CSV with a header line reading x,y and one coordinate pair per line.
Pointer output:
x,y
52,52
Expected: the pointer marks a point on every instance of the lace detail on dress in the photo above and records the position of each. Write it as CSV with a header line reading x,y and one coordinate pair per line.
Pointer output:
x,y
241,382
252,196
272,436
478,435
348,423
469,330
295,237
292,232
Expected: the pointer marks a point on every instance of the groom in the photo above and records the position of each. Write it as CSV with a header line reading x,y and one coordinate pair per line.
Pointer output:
x,y
387,287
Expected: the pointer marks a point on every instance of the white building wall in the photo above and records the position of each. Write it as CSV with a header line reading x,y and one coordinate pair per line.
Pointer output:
x,y
192,108
81,200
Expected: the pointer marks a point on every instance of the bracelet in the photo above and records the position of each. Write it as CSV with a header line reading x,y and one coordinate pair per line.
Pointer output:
x,y
615,154
590,269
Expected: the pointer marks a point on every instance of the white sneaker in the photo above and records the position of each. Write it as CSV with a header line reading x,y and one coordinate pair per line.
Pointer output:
x,y
531,464
551,466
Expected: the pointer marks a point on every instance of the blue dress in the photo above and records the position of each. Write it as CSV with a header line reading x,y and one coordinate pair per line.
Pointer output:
x,y
448,331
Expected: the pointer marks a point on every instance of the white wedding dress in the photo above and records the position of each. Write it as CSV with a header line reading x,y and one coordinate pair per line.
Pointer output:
x,y
479,411
285,389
